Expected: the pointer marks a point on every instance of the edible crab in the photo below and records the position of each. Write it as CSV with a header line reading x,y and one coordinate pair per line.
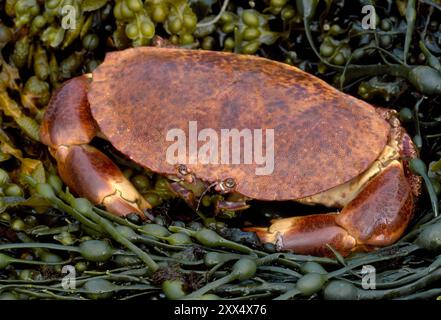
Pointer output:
x,y
330,148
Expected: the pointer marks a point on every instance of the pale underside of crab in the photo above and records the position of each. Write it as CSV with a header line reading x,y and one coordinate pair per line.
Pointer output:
x,y
329,148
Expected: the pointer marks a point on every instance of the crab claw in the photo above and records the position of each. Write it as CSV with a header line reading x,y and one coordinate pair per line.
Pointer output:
x,y
91,174
307,235
377,217
67,128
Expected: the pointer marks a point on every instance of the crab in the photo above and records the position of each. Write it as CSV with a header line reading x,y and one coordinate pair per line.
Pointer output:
x,y
331,149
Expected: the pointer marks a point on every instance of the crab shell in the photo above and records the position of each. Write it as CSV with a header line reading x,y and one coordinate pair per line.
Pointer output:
x,y
323,138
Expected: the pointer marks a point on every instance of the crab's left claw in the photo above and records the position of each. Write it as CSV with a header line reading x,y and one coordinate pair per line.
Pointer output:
x,y
377,217
307,235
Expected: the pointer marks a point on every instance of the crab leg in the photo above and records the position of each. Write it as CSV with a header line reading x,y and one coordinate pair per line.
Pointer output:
x,y
67,128
377,217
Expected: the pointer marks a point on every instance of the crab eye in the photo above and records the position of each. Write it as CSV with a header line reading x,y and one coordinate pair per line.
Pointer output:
x,y
182,169
230,183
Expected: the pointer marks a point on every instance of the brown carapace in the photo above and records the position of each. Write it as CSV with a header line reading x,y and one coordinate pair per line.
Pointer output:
x,y
329,148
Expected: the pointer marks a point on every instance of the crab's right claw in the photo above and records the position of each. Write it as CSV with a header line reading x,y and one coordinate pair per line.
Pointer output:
x,y
67,128
91,174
